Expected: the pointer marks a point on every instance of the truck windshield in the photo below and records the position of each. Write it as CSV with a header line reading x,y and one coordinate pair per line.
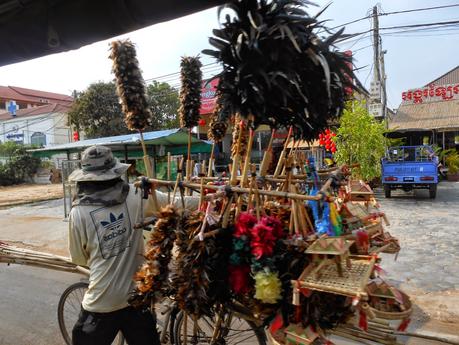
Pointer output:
x,y
410,154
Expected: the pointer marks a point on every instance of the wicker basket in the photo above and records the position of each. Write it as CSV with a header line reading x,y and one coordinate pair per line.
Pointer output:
x,y
400,315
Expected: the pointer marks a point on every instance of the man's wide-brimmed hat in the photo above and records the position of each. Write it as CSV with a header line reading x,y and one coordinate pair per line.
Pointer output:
x,y
98,164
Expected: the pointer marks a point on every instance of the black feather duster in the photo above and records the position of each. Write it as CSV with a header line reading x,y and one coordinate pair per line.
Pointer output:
x,y
190,92
130,85
276,68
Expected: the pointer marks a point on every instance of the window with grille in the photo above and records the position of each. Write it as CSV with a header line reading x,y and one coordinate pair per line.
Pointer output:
x,y
38,139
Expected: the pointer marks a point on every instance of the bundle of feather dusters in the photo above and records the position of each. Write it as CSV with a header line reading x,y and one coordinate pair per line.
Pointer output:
x,y
200,279
217,127
130,85
326,310
190,91
239,125
151,279
277,68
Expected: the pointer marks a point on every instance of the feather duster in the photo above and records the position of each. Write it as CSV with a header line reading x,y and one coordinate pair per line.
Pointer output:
x,y
130,85
190,92
191,280
277,69
152,276
326,310
217,128
237,128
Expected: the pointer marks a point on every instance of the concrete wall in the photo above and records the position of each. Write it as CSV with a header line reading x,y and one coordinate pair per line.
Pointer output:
x,y
54,126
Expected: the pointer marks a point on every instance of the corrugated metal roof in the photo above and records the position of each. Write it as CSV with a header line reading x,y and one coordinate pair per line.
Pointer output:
x,y
167,137
426,116
450,77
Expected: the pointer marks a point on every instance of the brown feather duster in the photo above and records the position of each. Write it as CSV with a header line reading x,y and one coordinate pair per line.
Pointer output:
x,y
152,276
244,137
130,85
217,127
191,280
190,92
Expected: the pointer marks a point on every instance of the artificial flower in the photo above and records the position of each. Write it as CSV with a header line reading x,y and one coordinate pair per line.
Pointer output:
x,y
268,287
245,222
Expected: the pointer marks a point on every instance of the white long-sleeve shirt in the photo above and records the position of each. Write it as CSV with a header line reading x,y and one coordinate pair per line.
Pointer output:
x,y
103,238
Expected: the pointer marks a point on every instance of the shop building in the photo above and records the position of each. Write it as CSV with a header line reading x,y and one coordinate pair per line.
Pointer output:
x,y
430,114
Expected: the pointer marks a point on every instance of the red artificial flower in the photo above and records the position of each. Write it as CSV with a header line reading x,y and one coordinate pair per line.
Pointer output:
x,y
263,240
239,278
275,224
244,224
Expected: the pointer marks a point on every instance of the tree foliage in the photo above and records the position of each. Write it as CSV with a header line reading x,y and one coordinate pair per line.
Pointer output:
x,y
97,111
164,104
360,139
17,164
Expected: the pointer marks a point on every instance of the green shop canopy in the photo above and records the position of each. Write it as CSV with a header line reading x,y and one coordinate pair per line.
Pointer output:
x,y
174,140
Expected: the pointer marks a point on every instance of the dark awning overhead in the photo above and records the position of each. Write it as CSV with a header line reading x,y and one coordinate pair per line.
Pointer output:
x,y
34,28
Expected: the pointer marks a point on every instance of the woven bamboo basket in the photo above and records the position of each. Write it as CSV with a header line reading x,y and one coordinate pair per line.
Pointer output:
x,y
385,315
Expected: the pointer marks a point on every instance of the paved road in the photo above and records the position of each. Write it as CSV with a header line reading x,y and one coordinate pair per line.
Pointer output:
x,y
28,304
428,264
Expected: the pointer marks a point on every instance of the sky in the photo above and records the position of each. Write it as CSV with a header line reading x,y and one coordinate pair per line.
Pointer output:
x,y
412,60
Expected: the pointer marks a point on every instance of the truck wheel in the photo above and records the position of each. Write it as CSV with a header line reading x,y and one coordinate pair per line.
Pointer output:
x,y
433,191
387,191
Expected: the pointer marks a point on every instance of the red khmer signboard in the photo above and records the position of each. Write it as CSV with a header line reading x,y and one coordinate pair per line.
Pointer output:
x,y
431,93
208,96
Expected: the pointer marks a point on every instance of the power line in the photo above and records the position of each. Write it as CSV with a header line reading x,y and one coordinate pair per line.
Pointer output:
x,y
418,9
394,12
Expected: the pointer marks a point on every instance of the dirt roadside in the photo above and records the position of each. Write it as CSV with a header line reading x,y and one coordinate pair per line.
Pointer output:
x,y
28,193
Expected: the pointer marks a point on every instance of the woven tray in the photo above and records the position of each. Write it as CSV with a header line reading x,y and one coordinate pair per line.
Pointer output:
x,y
353,282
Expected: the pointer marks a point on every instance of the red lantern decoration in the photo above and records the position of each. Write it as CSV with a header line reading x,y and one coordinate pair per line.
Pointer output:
x,y
326,140
76,136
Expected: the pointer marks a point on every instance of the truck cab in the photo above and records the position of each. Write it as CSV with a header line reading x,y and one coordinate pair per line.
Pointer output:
x,y
410,167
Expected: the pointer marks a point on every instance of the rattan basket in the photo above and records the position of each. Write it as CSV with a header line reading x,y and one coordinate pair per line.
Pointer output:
x,y
395,315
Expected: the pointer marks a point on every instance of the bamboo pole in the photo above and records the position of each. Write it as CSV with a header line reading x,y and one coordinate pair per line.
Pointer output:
x,y
169,158
245,170
211,161
277,194
185,326
267,156
146,161
280,162
177,180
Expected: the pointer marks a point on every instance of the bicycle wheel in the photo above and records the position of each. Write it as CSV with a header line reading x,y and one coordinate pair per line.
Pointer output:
x,y
69,308
234,330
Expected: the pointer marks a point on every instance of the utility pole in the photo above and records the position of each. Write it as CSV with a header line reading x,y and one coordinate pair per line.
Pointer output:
x,y
377,94
383,86
376,44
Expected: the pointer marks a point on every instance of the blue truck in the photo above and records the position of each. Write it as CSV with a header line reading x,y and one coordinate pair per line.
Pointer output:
x,y
410,167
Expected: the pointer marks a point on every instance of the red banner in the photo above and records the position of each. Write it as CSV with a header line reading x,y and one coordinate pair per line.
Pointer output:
x,y
208,96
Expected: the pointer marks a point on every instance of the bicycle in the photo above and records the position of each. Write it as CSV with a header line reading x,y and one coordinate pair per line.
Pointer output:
x,y
232,324
68,309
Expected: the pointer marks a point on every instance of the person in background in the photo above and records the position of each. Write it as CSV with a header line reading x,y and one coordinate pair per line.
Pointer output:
x,y
101,237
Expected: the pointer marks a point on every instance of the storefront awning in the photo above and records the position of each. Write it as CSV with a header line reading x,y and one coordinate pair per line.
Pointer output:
x,y
174,140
